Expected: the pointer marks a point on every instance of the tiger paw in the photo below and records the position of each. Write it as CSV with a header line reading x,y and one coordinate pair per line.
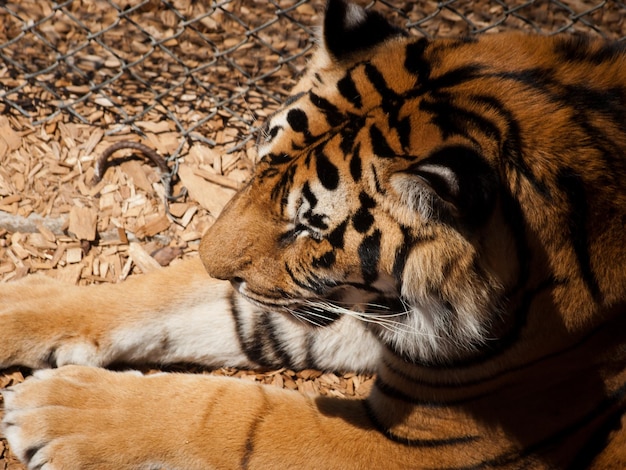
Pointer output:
x,y
79,417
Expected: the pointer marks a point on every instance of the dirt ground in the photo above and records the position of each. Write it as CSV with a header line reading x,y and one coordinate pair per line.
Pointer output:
x,y
54,220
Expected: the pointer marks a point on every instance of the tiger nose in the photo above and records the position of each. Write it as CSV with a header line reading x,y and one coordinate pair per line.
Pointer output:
x,y
225,256
217,264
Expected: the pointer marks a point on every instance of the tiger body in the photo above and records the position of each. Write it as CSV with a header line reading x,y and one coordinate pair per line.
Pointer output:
x,y
448,214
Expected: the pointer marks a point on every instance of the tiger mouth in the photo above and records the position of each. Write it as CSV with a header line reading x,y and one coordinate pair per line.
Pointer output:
x,y
318,311
321,311
278,302
304,310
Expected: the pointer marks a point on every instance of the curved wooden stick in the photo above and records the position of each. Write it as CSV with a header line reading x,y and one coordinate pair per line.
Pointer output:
x,y
101,163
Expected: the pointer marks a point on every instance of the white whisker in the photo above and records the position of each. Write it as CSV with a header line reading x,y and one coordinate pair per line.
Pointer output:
x,y
384,320
305,316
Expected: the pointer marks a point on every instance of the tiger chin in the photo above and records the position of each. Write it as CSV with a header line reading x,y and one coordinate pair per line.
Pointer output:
x,y
448,214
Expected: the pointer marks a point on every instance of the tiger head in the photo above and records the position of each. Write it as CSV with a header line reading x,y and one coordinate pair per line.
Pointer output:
x,y
446,191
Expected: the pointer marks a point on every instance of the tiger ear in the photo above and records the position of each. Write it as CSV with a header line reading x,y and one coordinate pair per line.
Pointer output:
x,y
350,28
454,181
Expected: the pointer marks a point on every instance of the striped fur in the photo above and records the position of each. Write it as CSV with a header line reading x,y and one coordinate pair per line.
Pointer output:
x,y
448,213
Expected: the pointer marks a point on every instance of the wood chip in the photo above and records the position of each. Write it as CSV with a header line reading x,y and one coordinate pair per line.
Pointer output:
x,y
135,170
83,223
73,255
218,179
154,226
70,274
142,258
210,196
10,138
46,232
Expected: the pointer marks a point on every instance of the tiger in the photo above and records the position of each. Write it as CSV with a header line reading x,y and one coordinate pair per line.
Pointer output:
x,y
446,213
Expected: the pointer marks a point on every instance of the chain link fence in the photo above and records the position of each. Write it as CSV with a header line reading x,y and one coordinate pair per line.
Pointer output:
x,y
210,70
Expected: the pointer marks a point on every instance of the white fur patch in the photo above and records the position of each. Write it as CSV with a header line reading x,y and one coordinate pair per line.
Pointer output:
x,y
197,332
355,15
415,197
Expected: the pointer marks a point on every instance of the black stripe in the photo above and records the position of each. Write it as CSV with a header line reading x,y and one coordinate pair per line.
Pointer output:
x,y
576,193
347,135
239,330
308,195
282,187
325,261
255,345
404,129
391,102
310,361
356,168
264,346
268,172
377,185
425,443
252,432
315,220
456,77
316,316
347,88
330,111
607,102
580,48
380,84
30,452
327,172
362,219
295,280
511,143
336,237
380,146
415,62
298,121
277,159
402,254
272,133
369,254
455,120
51,358
395,394
277,345
612,154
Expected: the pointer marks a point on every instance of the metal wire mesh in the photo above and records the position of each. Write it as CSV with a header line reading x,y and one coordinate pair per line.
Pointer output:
x,y
208,70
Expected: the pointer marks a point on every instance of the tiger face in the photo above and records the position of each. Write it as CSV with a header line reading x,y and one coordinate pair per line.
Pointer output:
x,y
432,188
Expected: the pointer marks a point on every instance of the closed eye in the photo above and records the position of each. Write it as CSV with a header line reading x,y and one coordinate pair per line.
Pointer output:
x,y
299,230
306,230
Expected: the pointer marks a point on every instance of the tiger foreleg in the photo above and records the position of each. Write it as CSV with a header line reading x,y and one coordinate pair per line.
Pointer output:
x,y
83,417
174,315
